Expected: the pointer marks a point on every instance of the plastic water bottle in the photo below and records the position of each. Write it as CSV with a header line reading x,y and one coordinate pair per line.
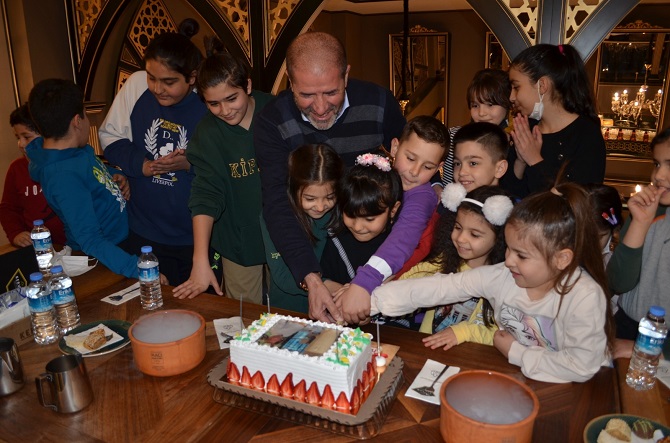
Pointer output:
x,y
44,250
151,296
647,351
67,312
42,312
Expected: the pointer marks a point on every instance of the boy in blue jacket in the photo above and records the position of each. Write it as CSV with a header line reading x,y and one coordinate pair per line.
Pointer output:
x,y
86,195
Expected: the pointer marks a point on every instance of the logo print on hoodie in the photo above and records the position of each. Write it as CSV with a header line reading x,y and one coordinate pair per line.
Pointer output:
x,y
167,131
103,176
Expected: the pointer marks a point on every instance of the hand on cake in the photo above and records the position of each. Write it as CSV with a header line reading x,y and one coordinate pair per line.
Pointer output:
x,y
355,304
321,304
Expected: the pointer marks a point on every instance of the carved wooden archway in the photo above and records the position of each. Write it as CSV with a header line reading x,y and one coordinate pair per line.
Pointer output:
x,y
518,24
259,30
262,29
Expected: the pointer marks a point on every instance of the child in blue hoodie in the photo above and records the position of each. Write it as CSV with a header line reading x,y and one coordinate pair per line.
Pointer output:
x,y
82,191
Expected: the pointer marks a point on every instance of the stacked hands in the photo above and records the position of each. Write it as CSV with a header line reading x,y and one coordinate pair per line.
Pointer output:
x,y
174,161
351,305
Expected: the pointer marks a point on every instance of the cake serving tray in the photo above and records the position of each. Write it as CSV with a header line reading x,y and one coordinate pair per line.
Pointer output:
x,y
367,423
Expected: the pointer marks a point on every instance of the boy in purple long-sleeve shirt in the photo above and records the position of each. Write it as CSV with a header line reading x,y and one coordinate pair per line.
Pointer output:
x,y
420,152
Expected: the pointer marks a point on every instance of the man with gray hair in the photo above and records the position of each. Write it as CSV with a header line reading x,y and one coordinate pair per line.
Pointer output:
x,y
323,105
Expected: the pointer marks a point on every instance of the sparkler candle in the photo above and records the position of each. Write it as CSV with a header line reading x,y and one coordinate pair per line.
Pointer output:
x,y
380,360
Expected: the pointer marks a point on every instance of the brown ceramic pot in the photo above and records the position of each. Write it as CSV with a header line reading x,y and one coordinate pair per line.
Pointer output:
x,y
456,427
168,342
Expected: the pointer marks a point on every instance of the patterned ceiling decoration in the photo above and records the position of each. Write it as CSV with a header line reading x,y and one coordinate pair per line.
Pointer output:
x,y
86,13
577,12
278,13
151,19
236,13
121,77
127,56
525,12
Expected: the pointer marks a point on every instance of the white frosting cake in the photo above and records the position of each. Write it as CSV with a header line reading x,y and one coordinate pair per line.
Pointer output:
x,y
270,355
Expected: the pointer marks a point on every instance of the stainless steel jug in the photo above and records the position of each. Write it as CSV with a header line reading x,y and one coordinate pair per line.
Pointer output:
x,y
11,369
69,385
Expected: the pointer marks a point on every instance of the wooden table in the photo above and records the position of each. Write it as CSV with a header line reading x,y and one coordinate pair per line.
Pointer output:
x,y
130,406
653,404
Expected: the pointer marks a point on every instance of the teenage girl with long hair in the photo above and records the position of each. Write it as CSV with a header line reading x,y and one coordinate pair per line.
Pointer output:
x,y
557,127
225,198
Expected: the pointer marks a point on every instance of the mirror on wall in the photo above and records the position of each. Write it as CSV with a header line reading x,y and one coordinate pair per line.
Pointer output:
x,y
496,57
425,80
631,81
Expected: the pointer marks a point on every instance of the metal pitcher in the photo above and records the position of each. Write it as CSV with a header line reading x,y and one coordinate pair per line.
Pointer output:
x,y
68,382
11,369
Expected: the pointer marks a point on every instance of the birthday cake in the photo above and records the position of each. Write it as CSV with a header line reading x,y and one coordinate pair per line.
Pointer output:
x,y
312,362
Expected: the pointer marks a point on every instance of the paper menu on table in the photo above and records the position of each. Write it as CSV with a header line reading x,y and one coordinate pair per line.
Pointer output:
x,y
663,372
226,328
428,374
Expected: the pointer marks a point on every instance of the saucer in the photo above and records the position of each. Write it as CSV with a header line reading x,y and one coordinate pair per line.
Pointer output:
x,y
593,428
119,326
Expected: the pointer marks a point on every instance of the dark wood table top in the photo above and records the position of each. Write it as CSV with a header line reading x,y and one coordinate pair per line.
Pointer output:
x,y
653,404
130,406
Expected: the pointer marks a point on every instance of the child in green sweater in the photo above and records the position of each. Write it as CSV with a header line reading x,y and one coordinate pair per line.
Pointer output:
x,y
225,198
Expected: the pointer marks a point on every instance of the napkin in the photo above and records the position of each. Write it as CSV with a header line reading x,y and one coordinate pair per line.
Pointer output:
x,y
126,294
663,371
76,341
226,328
426,377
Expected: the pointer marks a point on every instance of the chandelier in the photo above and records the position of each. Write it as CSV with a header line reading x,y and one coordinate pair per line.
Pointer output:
x,y
628,112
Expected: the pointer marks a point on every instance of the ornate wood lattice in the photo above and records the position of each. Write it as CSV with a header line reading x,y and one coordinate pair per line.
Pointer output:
x,y
525,12
236,13
519,24
577,11
151,19
278,13
86,13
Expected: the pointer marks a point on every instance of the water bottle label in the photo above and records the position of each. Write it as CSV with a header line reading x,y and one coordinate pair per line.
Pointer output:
x,y
149,274
649,345
40,304
61,296
42,244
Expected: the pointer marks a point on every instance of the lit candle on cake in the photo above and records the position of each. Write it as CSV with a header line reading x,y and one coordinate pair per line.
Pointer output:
x,y
380,360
